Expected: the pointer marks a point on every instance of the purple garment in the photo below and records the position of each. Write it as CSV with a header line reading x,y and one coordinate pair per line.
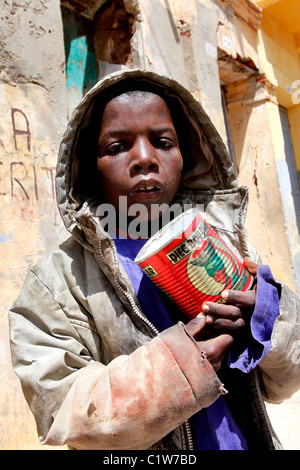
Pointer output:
x,y
246,356
213,428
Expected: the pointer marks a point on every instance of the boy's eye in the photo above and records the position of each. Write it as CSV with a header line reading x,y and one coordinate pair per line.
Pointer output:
x,y
114,148
165,143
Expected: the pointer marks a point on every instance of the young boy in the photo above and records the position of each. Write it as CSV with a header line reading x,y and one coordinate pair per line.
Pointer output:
x,y
105,360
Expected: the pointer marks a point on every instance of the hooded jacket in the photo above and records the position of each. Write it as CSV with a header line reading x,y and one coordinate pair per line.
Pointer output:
x,y
95,372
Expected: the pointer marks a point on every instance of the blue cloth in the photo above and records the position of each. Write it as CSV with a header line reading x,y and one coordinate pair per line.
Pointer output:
x,y
246,356
213,428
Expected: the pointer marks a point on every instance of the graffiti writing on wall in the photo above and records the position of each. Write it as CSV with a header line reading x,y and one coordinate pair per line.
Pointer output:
x,y
14,113
25,173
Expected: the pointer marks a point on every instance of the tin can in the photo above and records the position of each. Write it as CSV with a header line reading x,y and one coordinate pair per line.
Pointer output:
x,y
188,261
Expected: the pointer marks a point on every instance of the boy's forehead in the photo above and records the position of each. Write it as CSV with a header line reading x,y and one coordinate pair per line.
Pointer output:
x,y
132,103
130,97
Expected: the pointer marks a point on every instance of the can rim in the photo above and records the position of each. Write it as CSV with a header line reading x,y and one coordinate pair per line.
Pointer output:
x,y
143,253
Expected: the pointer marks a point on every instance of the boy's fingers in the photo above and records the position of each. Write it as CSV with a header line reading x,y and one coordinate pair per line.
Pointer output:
x,y
226,324
223,342
221,310
250,265
195,325
216,348
235,297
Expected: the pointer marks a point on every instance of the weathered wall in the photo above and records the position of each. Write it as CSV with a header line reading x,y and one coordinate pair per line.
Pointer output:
x,y
258,79
33,115
179,39
253,113
279,58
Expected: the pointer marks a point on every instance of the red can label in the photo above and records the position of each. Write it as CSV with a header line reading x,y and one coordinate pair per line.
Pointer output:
x,y
196,267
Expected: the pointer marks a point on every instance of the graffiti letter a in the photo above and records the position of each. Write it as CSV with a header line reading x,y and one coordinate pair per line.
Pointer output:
x,y
14,114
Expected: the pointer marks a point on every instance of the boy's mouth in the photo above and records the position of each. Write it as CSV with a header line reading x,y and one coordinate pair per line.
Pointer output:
x,y
146,188
146,192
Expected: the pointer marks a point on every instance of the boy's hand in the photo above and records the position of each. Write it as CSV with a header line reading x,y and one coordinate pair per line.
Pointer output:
x,y
214,348
235,314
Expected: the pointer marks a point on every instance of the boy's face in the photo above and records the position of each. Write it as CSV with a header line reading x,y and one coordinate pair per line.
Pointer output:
x,y
138,152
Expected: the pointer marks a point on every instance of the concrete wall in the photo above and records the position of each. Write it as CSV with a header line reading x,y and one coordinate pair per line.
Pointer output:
x,y
279,59
179,39
258,141
33,115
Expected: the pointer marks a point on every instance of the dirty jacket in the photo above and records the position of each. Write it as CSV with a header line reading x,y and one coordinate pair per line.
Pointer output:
x,y
95,373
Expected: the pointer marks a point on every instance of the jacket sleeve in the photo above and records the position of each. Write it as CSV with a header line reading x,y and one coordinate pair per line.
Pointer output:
x,y
128,404
280,369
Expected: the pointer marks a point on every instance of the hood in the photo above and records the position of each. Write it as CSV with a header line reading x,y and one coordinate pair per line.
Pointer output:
x,y
207,164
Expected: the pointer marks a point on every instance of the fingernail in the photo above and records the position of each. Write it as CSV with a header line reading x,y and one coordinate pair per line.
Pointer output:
x,y
201,314
209,319
205,308
225,294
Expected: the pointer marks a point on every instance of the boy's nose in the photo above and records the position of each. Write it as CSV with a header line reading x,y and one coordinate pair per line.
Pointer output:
x,y
143,156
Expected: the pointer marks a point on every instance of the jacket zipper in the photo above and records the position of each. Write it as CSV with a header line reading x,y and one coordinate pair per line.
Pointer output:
x,y
151,326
